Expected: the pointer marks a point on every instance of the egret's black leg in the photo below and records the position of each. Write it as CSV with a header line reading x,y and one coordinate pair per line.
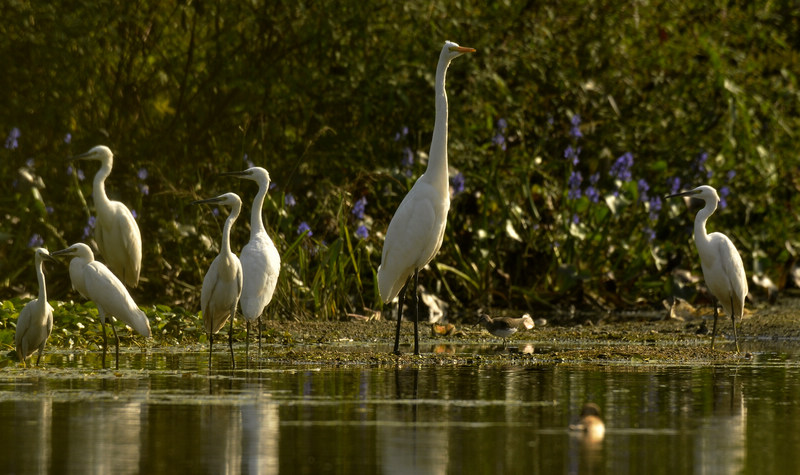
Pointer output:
x,y
105,342
116,338
416,311
401,298
259,335
210,348
714,331
230,344
733,321
247,340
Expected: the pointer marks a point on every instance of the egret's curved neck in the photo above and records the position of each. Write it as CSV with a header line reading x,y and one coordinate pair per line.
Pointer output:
x,y
40,278
700,234
226,231
256,221
437,158
99,183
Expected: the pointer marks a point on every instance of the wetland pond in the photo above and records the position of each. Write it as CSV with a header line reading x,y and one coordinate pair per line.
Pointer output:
x,y
465,406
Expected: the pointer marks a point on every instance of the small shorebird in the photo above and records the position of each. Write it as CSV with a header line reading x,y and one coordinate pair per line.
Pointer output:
x,y
590,423
504,327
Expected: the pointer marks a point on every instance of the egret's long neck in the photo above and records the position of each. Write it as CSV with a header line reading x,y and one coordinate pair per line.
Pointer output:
x,y
40,278
226,231
99,184
700,234
256,221
437,158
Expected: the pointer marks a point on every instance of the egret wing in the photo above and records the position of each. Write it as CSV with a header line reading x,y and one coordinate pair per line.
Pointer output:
x,y
108,292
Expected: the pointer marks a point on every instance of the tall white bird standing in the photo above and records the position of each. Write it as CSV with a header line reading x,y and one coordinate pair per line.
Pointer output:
x,y
415,233
260,260
722,265
35,322
96,282
116,232
222,285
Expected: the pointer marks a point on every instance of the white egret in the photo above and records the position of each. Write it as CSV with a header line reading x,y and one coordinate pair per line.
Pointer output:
x,y
35,322
504,327
116,232
415,233
722,265
222,285
96,282
260,260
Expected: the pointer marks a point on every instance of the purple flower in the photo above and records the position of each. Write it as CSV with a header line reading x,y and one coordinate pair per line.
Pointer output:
x,y
572,154
289,200
575,219
592,193
142,174
215,211
68,138
574,183
12,139
304,228
247,161
408,157
502,124
655,207
700,165
651,235
457,183
621,169
49,209
144,189
730,175
499,141
30,163
723,194
674,184
87,230
575,131
643,187
402,133
135,214
36,241
359,207
362,232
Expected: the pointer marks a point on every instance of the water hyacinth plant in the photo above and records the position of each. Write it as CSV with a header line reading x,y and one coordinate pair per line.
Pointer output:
x,y
554,151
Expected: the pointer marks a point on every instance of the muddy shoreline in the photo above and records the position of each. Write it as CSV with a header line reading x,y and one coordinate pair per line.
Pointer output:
x,y
628,337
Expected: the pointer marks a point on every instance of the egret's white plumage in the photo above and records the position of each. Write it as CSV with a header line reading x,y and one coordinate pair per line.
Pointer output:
x,y
116,232
222,285
416,231
35,322
722,265
96,282
260,260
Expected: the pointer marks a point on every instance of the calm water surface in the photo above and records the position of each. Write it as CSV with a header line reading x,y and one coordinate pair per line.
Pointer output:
x,y
176,417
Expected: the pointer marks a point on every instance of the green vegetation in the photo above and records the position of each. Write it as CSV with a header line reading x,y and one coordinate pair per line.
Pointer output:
x,y
566,127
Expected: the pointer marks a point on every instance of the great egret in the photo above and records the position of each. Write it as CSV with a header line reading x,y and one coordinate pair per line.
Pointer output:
x,y
504,327
96,282
35,322
722,265
222,285
260,260
415,233
116,232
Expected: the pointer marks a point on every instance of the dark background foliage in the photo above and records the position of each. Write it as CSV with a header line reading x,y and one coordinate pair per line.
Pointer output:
x,y
320,94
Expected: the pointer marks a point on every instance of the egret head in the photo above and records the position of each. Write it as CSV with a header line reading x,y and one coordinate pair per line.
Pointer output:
x,y
42,254
452,50
257,174
228,199
704,192
76,250
100,153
